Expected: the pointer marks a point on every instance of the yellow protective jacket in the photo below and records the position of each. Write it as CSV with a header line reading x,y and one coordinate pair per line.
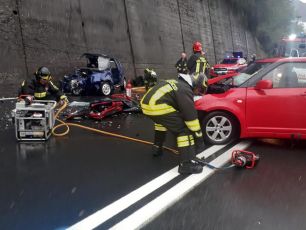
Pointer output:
x,y
172,96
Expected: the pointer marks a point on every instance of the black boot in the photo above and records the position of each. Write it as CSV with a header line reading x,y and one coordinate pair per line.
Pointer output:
x,y
159,139
189,167
185,143
157,151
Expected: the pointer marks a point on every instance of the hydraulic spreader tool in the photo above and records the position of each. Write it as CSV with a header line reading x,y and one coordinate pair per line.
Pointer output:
x,y
240,159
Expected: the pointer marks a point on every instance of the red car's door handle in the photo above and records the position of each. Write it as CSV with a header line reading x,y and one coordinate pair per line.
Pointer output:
x,y
303,94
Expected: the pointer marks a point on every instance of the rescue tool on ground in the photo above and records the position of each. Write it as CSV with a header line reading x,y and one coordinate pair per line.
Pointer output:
x,y
239,159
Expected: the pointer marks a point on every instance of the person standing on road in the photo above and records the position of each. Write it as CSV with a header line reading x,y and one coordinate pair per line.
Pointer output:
x,y
197,63
181,64
170,105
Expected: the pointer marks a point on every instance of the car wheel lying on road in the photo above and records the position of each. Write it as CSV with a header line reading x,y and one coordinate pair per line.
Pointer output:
x,y
219,128
106,88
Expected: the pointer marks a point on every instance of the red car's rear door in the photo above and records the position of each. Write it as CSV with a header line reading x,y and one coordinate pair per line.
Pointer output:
x,y
280,111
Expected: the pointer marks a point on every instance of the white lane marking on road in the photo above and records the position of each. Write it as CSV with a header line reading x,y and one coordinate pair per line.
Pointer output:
x,y
114,208
148,212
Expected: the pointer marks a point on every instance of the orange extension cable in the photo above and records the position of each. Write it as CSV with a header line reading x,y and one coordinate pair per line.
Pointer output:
x,y
62,123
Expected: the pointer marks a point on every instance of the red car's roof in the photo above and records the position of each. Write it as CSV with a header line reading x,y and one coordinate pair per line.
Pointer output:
x,y
265,60
282,59
293,59
269,60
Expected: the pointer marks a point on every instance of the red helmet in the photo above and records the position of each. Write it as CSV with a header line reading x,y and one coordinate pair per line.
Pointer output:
x,y
197,47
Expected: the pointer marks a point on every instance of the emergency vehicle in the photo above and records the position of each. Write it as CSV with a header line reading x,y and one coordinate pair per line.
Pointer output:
x,y
291,46
230,65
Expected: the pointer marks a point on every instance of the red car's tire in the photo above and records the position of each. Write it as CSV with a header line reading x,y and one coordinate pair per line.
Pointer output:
x,y
219,128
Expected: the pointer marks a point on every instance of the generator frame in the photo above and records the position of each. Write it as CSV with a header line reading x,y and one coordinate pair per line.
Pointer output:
x,y
34,122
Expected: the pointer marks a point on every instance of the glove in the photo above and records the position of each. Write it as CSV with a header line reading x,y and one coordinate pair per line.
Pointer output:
x,y
63,100
28,100
198,142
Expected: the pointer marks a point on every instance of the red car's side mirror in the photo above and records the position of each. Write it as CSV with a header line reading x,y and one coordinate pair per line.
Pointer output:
x,y
264,84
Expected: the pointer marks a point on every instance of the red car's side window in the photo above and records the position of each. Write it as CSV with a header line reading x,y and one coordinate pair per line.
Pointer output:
x,y
288,75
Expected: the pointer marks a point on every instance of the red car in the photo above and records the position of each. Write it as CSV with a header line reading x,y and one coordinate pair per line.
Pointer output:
x,y
251,69
228,66
270,103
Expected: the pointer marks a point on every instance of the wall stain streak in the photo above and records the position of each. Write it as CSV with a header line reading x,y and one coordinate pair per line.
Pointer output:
x,y
83,25
22,38
130,39
182,34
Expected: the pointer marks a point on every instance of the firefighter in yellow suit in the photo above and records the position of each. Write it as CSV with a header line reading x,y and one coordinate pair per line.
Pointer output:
x,y
170,105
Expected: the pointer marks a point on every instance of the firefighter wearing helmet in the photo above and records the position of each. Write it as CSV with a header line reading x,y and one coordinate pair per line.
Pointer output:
x,y
170,105
150,78
41,87
197,63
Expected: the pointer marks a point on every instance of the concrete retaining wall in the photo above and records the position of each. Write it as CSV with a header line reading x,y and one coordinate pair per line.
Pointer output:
x,y
140,33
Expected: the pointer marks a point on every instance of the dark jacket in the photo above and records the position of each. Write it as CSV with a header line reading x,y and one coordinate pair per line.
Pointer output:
x,y
41,92
181,66
171,96
150,78
197,63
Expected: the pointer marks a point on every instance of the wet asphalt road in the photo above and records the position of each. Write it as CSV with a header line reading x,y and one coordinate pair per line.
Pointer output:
x,y
54,184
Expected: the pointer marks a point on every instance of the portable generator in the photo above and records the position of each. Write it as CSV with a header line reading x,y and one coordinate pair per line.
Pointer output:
x,y
34,121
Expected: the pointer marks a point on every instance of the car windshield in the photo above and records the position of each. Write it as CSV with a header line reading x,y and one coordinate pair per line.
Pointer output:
x,y
245,74
229,61
98,62
103,63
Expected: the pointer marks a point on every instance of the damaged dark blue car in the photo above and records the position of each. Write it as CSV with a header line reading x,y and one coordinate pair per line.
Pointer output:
x,y
102,75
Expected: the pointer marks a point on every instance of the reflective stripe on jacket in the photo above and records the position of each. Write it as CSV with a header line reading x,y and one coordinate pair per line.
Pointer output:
x,y
172,96
41,92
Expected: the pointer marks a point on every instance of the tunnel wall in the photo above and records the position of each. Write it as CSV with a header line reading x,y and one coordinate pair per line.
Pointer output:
x,y
140,33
